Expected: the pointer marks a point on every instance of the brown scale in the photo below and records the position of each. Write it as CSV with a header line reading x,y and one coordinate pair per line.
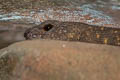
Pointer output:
x,y
74,31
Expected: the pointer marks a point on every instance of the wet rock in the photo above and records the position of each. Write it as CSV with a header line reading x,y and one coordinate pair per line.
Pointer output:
x,y
58,60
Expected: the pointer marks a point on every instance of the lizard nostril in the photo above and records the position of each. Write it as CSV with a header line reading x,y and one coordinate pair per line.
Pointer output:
x,y
48,27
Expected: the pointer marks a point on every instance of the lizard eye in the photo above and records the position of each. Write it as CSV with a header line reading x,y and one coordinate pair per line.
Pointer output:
x,y
48,27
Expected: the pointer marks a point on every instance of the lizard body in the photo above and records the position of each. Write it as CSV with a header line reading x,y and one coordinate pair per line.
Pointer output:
x,y
74,31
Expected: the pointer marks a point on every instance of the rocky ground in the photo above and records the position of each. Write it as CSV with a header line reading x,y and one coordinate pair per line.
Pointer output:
x,y
56,60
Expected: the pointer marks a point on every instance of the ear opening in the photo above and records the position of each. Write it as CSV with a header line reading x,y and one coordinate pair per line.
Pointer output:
x,y
48,27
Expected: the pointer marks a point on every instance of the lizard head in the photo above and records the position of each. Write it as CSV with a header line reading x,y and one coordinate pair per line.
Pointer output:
x,y
38,31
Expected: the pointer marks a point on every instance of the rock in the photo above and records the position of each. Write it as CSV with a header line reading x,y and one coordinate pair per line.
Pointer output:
x,y
59,60
11,32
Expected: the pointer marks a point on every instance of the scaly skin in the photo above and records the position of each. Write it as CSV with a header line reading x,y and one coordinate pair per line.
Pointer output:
x,y
74,31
